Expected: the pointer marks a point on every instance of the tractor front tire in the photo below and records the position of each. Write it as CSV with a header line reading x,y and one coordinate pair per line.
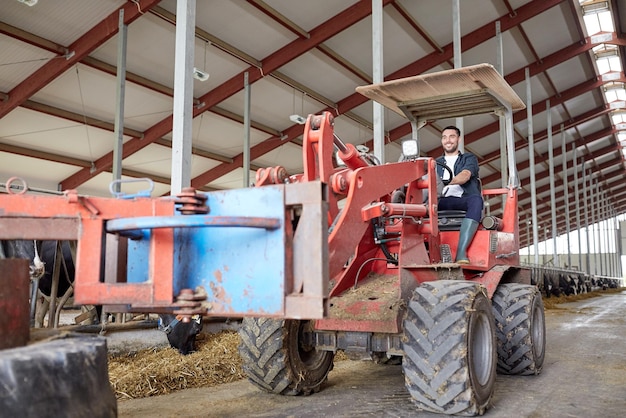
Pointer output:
x,y
520,329
449,348
277,359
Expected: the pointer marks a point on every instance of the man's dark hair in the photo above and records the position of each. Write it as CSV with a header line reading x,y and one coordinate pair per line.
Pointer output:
x,y
458,131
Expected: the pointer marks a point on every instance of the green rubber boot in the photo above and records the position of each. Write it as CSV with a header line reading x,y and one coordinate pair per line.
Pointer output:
x,y
468,229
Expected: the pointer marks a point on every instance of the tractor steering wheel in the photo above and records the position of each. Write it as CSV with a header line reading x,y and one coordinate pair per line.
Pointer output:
x,y
445,167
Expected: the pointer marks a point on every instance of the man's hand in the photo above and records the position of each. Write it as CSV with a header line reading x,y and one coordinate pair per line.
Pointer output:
x,y
461,178
452,190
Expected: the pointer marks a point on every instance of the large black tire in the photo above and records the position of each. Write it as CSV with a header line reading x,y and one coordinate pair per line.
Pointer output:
x,y
449,348
277,359
520,329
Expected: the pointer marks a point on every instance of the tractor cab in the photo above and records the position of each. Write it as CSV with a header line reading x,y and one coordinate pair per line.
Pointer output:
x,y
467,91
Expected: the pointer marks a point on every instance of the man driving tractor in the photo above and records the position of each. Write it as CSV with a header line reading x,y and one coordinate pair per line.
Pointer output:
x,y
462,191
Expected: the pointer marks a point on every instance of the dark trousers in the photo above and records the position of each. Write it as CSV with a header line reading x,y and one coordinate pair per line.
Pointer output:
x,y
472,205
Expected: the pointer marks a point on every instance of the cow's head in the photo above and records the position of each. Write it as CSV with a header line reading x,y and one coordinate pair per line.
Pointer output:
x,y
181,335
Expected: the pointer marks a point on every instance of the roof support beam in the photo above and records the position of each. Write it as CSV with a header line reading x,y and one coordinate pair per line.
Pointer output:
x,y
273,62
87,43
63,159
546,188
108,126
544,158
544,217
435,58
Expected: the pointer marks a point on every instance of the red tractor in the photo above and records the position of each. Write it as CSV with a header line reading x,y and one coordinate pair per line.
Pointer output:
x,y
395,295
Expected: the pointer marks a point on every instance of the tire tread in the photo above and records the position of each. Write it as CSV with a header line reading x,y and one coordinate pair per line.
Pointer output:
x,y
436,370
512,307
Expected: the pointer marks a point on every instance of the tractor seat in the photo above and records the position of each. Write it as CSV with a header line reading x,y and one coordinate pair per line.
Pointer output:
x,y
450,220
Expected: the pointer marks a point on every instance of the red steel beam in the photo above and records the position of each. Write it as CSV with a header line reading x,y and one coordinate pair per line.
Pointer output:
x,y
596,154
546,188
82,47
431,60
563,55
538,107
557,152
478,36
321,33
544,214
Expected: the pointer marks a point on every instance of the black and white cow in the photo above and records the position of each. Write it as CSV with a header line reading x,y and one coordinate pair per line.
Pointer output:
x,y
66,269
181,335
22,249
41,256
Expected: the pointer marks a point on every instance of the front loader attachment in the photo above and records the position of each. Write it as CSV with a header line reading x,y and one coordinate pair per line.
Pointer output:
x,y
246,252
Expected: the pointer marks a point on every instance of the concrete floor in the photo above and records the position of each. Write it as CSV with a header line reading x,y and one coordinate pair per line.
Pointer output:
x,y
584,375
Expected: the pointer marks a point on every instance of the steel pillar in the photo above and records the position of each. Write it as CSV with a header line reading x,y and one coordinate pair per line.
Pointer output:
x,y
246,131
552,185
183,95
531,156
378,77
578,225
119,104
566,196
456,45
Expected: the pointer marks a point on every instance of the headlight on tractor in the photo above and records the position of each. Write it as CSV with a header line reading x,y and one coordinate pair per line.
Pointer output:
x,y
410,149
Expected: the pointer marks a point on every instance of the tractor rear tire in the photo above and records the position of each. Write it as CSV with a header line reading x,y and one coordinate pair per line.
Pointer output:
x,y
520,329
277,359
449,348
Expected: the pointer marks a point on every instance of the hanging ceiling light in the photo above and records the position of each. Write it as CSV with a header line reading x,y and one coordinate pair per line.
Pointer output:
x,y
200,75
300,120
29,2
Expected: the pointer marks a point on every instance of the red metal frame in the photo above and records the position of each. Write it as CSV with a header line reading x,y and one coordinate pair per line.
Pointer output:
x,y
367,288
74,217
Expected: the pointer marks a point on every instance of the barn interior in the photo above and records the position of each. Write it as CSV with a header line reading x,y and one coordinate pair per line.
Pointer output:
x,y
121,98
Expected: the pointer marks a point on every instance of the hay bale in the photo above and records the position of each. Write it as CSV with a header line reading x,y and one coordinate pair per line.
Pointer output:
x,y
164,370
554,302
160,371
